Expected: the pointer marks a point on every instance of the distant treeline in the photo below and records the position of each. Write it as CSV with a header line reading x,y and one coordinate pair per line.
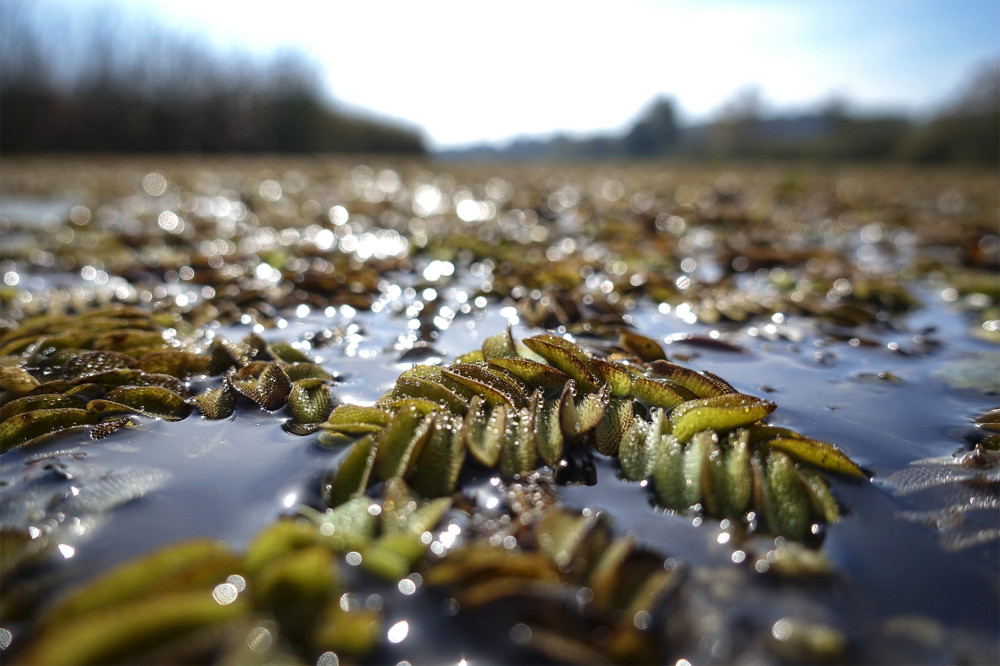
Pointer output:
x,y
967,130
114,85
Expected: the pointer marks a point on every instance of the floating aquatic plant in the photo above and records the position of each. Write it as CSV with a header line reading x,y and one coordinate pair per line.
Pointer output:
x,y
574,250
570,573
197,601
516,404
93,369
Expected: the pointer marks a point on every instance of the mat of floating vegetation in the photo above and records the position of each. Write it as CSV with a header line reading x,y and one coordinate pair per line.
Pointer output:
x,y
398,503
351,414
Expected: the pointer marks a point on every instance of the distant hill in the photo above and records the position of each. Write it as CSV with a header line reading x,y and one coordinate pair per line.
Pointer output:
x,y
800,135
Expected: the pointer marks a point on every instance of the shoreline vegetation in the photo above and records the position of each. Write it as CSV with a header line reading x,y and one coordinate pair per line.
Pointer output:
x,y
140,89
966,130
117,85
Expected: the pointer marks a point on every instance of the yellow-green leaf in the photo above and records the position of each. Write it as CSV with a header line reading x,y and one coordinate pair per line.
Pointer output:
x,y
151,401
400,442
217,403
533,373
787,506
494,389
351,478
567,357
310,401
655,393
645,348
30,427
417,387
617,376
701,386
612,428
815,452
499,346
721,413
519,454
441,458
484,431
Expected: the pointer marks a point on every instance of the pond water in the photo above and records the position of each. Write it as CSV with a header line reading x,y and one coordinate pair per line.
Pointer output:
x,y
915,579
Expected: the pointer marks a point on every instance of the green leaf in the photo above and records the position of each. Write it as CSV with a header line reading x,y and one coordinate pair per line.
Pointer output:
x,y
738,485
417,387
786,501
310,401
300,371
180,566
269,389
500,345
613,427
296,588
605,577
636,452
578,416
16,382
519,454
216,403
400,443
701,386
823,503
175,362
654,393
668,473
30,403
693,464
30,427
815,452
614,374
282,537
567,357
284,351
548,432
645,348
402,514
484,431
151,401
88,363
354,415
533,373
493,388
441,458
119,634
351,478
721,413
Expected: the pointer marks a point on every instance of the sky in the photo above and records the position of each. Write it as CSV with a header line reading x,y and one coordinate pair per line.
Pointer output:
x,y
466,72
